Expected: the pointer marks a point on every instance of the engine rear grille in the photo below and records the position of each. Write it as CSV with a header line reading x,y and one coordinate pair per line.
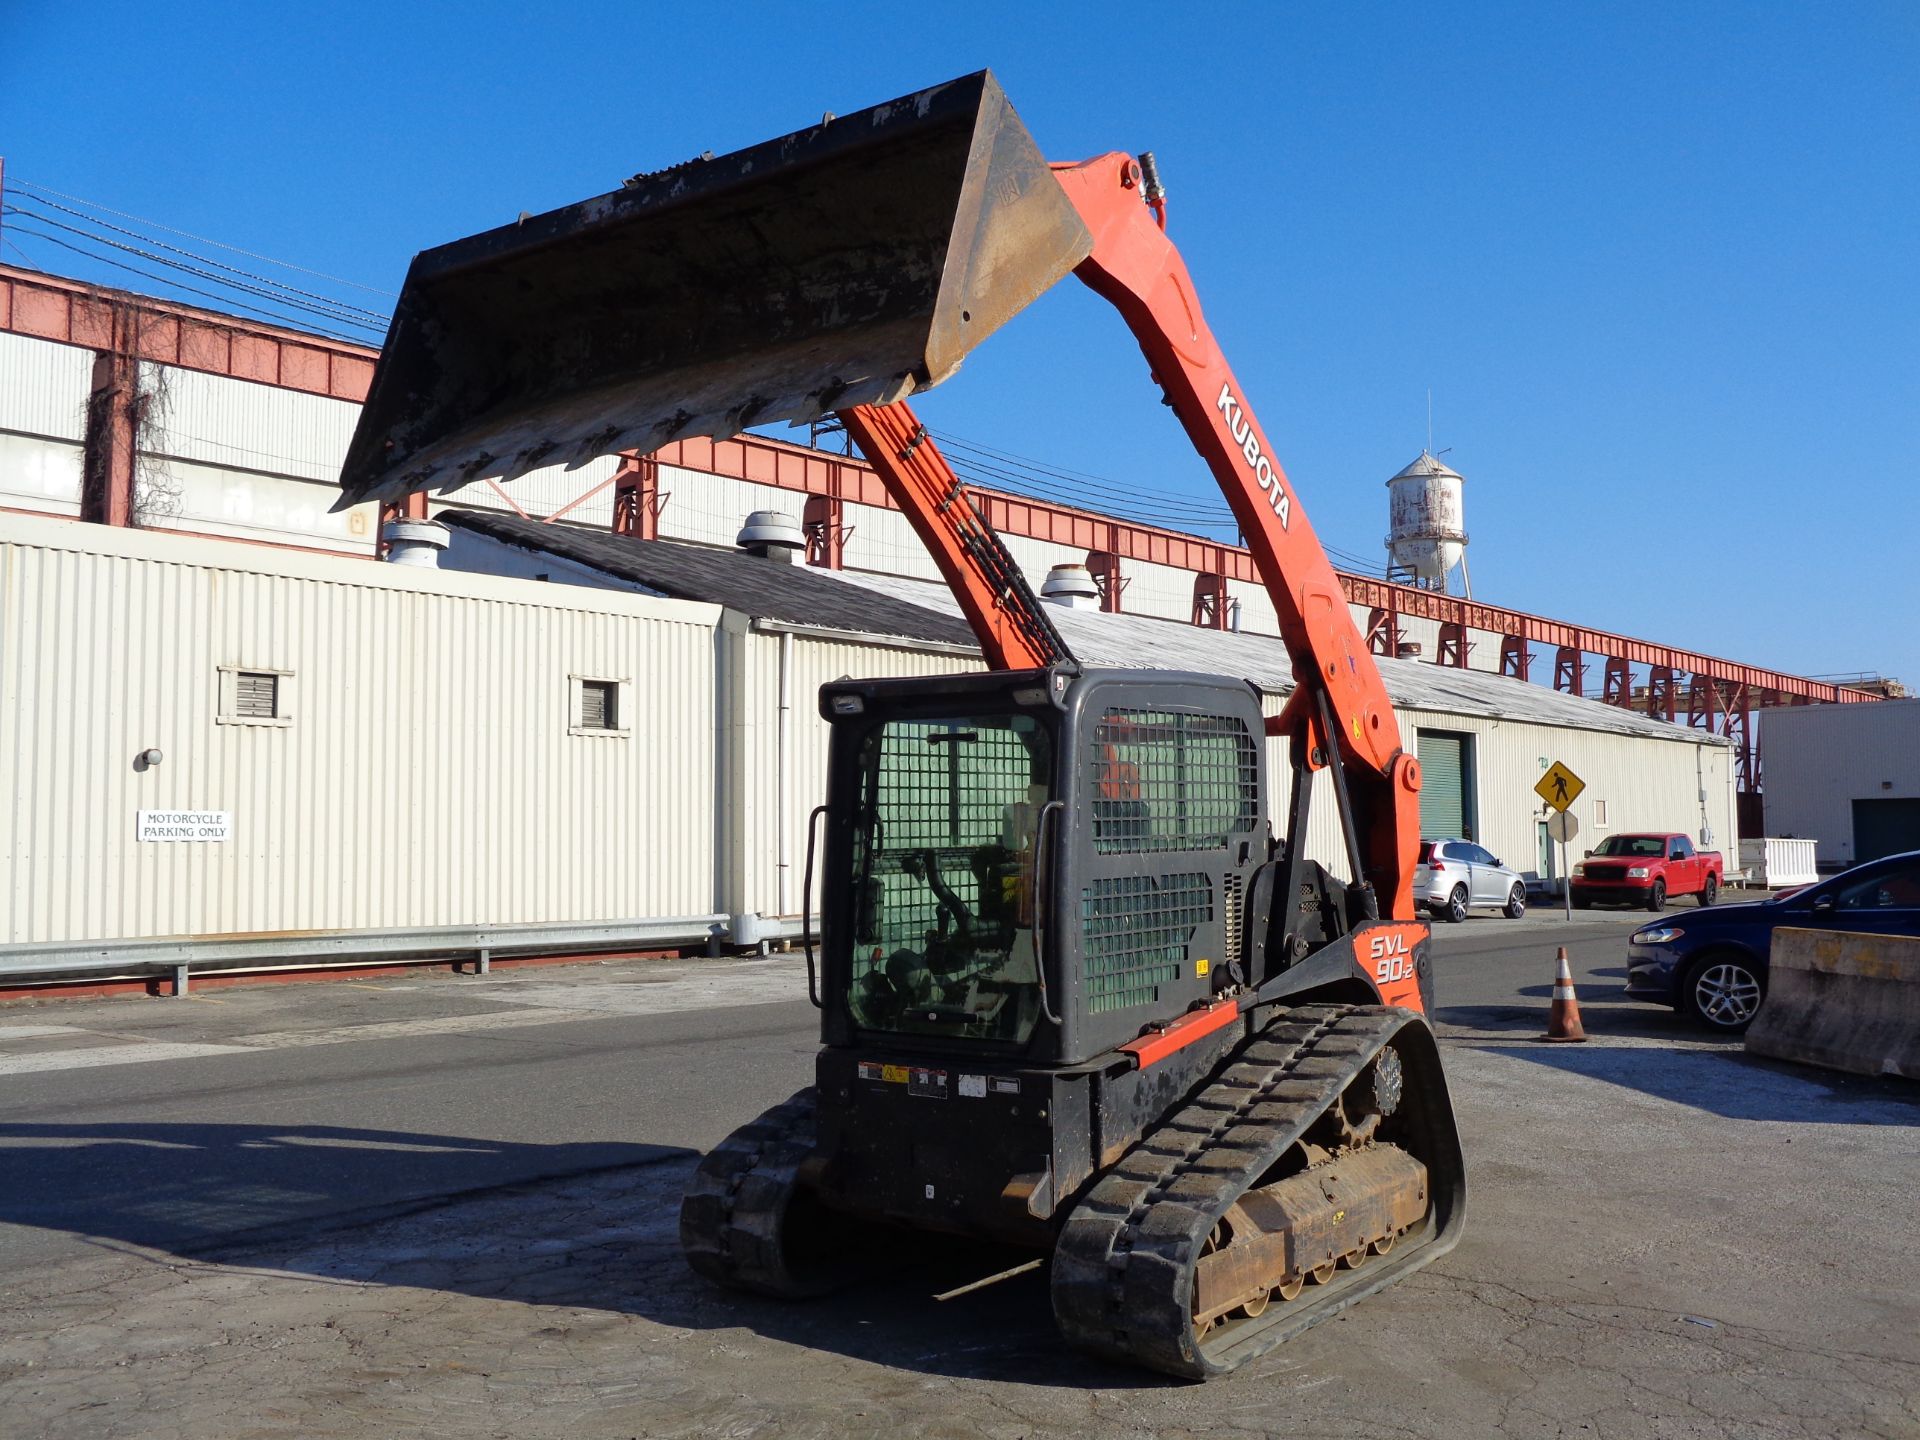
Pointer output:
x,y
1138,932
1230,909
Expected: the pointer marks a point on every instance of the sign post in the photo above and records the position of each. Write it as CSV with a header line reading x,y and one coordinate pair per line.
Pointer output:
x,y
1560,787
1563,827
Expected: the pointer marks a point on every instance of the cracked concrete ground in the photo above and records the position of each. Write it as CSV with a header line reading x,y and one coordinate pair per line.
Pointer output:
x,y
1664,1240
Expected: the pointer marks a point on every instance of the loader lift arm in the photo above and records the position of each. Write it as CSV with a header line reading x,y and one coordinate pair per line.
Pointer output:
x,y
1013,627
1135,267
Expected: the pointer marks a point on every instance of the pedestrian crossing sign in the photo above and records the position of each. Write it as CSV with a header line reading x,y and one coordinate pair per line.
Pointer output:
x,y
1559,787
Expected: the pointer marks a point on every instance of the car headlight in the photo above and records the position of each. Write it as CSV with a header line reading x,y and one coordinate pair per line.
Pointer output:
x,y
1657,935
1580,870
1638,872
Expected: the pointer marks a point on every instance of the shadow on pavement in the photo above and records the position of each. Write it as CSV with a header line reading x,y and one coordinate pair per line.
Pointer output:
x,y
1601,1018
1702,1070
1730,1083
587,1226
184,1187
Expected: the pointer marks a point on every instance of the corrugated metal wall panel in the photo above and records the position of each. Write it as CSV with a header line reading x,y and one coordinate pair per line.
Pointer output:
x,y
753,712
41,475
548,490
243,426
1816,760
883,541
711,509
44,387
196,499
1644,784
427,775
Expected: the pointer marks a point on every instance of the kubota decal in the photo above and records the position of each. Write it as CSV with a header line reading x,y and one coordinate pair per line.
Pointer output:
x,y
1240,426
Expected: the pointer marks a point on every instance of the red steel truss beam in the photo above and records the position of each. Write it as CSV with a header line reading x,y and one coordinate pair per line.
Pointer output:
x,y
53,308
1212,607
794,467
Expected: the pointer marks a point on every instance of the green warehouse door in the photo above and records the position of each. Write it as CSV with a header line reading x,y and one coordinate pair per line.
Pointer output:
x,y
1446,764
1884,827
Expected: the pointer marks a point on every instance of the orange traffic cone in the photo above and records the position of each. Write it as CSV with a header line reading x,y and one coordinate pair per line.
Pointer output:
x,y
1563,1021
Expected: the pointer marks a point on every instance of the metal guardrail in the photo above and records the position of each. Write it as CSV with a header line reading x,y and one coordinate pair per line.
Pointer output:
x,y
185,954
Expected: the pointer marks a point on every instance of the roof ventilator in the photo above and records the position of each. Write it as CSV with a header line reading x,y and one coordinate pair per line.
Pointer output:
x,y
1071,586
770,534
415,542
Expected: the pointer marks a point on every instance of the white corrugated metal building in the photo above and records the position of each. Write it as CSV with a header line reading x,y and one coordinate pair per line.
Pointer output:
x,y
397,747
1500,734
1845,776
225,456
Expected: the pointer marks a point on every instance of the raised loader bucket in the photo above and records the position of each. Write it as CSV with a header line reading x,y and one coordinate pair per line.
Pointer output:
x,y
850,263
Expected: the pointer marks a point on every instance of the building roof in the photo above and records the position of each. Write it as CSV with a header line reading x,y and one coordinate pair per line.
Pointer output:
x,y
1148,642
891,605
751,584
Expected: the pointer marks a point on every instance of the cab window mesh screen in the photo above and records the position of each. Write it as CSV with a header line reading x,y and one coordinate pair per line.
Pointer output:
x,y
1137,931
1164,780
942,790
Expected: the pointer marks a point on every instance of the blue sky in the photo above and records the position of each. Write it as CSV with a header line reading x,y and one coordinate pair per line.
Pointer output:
x,y
1659,265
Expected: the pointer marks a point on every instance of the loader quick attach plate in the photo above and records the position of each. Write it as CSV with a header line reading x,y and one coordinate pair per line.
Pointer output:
x,y
847,264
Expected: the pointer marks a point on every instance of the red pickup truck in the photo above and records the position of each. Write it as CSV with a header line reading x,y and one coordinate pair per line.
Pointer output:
x,y
1647,870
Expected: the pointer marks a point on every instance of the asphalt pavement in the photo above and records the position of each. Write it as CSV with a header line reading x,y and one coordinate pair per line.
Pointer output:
x,y
444,1205
186,1123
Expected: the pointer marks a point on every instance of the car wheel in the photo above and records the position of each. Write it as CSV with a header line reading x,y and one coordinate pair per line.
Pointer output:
x,y
1710,891
1517,902
1456,910
1723,992
1657,896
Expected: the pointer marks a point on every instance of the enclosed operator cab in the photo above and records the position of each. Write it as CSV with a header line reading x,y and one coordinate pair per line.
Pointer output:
x,y
1024,872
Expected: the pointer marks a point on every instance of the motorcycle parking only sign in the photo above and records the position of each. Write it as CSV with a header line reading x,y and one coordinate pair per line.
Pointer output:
x,y
159,825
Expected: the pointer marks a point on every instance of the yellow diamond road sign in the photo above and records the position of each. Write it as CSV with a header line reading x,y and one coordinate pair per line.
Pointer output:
x,y
1559,787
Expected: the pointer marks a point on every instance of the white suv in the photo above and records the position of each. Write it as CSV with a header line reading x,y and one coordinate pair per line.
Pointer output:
x,y
1454,875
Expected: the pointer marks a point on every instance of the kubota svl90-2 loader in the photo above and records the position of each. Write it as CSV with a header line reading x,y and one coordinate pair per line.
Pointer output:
x,y
1074,992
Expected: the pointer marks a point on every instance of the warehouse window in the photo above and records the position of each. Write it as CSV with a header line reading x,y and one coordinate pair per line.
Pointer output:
x,y
255,696
597,706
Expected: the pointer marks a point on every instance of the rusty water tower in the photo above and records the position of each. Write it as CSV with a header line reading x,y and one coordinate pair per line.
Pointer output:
x,y
1427,528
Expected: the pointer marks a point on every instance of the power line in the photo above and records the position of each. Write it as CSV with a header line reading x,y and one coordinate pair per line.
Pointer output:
x,y
200,239
169,281
1082,495
1024,461
371,315
1046,481
328,312
17,250
1078,487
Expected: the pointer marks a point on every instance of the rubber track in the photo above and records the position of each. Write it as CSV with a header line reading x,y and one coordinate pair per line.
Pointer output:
x,y
734,1212
1124,1263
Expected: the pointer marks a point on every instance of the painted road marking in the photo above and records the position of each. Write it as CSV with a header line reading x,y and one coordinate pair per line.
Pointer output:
x,y
400,1029
131,1054
734,985
539,1002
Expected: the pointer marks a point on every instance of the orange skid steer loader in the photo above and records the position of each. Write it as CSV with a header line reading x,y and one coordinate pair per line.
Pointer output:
x,y
1074,991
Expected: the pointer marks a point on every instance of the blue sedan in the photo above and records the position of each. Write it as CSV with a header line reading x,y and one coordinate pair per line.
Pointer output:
x,y
1712,964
